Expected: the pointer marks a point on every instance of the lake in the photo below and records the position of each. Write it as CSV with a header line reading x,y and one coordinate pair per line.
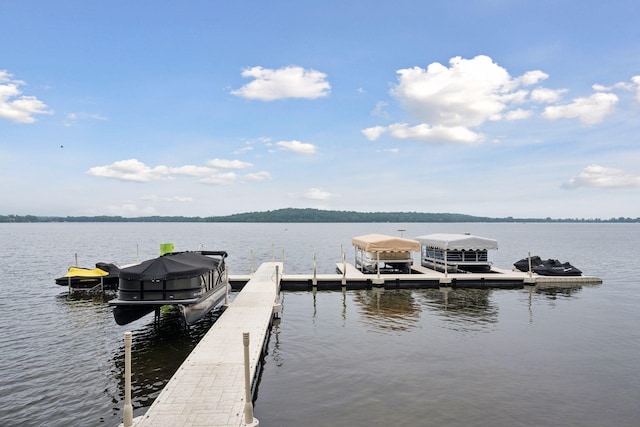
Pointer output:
x,y
525,357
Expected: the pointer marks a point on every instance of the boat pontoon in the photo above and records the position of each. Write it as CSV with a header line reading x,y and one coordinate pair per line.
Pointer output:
x,y
456,253
379,252
194,281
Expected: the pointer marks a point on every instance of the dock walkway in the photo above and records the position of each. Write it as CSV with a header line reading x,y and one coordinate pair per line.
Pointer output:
x,y
208,388
350,277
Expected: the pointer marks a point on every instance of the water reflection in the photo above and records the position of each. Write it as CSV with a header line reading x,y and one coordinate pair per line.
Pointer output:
x,y
394,310
554,291
462,309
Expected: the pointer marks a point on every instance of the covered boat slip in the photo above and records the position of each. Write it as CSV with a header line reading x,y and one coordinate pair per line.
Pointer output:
x,y
376,252
455,253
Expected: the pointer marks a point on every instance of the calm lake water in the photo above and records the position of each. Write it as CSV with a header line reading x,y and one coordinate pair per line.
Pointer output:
x,y
554,357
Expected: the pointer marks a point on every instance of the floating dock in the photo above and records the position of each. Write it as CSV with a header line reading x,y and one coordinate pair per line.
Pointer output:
x,y
420,277
209,387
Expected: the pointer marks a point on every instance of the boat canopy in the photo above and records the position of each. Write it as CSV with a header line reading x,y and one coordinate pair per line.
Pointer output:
x,y
384,243
173,265
458,242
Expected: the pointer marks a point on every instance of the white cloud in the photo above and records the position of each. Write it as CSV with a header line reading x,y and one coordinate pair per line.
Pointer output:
x,y
589,110
127,170
297,147
532,77
243,150
21,109
620,85
636,81
287,82
465,94
229,164
424,132
518,114
374,132
135,171
448,102
546,96
317,194
597,176
258,176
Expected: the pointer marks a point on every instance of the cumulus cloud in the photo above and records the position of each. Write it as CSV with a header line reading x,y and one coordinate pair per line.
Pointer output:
x,y
127,170
448,102
287,82
518,114
597,176
22,108
297,147
545,95
425,132
133,170
374,132
589,110
229,164
317,194
465,94
258,176
532,77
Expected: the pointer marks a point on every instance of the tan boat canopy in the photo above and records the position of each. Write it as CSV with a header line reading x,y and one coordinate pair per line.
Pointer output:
x,y
458,242
384,243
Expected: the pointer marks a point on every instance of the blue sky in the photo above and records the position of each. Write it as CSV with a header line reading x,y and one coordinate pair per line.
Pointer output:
x,y
202,108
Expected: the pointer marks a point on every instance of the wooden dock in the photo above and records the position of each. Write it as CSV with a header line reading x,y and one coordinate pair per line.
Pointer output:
x,y
208,388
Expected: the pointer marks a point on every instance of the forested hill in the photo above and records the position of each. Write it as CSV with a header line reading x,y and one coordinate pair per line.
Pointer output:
x,y
317,215
307,215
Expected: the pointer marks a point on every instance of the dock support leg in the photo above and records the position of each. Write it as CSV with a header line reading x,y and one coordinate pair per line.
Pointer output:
x,y
277,305
128,408
314,281
248,405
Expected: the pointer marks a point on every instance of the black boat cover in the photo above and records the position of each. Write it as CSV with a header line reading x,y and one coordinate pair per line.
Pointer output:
x,y
173,265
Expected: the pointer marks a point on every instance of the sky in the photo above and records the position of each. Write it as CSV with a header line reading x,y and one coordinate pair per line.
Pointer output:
x,y
203,108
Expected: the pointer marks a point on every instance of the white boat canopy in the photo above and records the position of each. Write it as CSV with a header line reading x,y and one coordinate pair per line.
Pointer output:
x,y
458,242
384,243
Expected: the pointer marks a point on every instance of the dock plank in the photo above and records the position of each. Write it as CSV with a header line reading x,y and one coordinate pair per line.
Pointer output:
x,y
208,388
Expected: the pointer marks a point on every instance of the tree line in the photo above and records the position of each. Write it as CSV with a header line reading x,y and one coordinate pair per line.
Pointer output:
x,y
309,215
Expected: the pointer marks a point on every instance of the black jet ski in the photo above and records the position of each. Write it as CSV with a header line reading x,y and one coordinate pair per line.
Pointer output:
x,y
549,267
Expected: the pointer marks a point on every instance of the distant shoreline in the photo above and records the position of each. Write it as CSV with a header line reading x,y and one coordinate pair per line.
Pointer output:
x,y
293,215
